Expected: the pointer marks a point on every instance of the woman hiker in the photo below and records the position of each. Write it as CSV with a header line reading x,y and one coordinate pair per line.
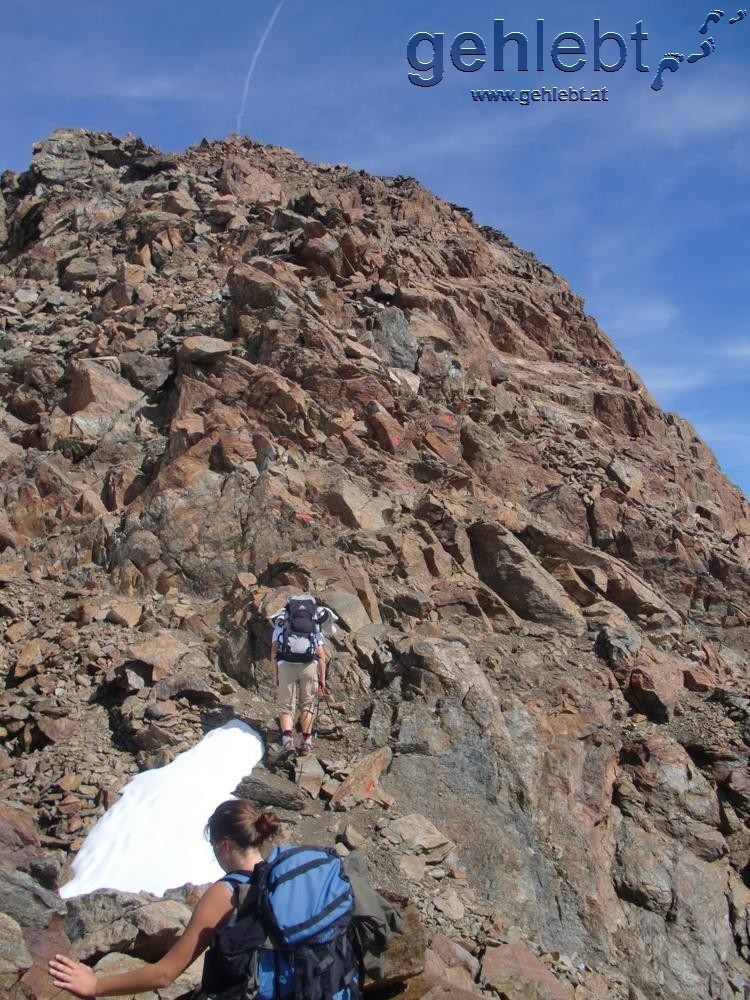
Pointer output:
x,y
279,924
241,837
305,678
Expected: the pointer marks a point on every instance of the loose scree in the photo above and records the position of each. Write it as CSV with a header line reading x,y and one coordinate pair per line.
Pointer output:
x,y
568,53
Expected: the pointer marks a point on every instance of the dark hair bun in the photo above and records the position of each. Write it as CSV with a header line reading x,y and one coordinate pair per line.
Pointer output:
x,y
242,823
268,825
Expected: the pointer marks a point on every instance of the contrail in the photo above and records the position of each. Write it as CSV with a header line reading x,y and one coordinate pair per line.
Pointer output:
x,y
253,63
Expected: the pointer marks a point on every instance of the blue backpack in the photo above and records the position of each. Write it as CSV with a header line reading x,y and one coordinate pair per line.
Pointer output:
x,y
289,937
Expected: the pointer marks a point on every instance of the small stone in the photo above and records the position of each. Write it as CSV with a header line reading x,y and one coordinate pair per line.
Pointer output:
x,y
127,615
354,839
450,905
421,837
329,788
18,630
203,350
32,655
413,868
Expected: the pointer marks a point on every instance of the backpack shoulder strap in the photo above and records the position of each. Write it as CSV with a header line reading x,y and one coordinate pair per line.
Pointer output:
x,y
237,878
241,884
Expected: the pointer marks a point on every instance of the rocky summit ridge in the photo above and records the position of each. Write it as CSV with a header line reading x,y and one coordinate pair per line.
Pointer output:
x,y
227,375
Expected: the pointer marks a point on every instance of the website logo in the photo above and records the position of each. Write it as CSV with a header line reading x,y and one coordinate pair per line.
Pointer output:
x,y
426,53
673,60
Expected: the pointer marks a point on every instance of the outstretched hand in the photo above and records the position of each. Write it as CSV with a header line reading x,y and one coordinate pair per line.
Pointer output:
x,y
72,976
321,687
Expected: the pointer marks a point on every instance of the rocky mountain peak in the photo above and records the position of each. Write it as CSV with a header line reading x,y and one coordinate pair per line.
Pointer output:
x,y
227,374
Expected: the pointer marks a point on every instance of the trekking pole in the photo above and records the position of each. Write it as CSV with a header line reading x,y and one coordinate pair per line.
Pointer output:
x,y
336,726
317,711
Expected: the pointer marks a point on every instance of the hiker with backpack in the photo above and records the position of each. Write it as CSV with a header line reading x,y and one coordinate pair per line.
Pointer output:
x,y
298,654
277,926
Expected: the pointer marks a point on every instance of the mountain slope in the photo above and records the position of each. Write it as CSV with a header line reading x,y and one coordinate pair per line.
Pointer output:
x,y
228,373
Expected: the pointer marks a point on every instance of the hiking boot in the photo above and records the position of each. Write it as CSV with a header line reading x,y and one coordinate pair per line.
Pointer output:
x,y
287,744
306,747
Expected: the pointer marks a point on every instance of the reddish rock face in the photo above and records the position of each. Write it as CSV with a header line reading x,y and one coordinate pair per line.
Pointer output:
x,y
513,970
228,376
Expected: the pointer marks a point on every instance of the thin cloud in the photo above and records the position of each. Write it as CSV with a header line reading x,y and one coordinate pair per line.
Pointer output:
x,y
668,382
74,75
739,351
696,115
158,87
705,116
724,433
702,369
254,63
630,319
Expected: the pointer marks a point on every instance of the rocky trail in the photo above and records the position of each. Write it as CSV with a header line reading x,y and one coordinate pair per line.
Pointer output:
x,y
228,375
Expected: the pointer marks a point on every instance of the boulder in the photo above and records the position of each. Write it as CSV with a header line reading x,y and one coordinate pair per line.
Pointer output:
x,y
421,837
267,789
200,350
108,921
394,340
511,969
509,568
17,826
36,983
161,653
404,958
310,776
324,253
127,615
184,684
28,902
362,780
650,679
149,374
252,288
96,389
15,958
347,607
447,669
355,508
658,782
63,157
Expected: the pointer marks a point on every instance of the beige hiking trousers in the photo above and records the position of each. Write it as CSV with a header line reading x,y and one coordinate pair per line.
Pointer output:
x,y
294,677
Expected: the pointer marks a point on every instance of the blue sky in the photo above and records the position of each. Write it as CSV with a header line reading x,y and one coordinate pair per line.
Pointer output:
x,y
642,203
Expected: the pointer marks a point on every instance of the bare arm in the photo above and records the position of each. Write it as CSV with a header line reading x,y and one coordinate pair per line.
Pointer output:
x,y
321,658
214,907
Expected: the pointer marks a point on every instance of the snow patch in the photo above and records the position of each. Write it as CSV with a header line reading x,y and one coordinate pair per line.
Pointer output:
x,y
152,839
